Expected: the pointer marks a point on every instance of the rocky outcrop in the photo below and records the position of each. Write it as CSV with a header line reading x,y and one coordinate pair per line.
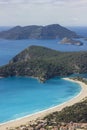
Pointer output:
x,y
66,40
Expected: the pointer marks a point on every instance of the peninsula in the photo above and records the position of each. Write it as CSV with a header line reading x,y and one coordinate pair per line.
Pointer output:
x,y
44,63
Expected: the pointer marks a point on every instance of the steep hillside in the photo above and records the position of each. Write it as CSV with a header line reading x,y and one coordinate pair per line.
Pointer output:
x,y
45,63
75,113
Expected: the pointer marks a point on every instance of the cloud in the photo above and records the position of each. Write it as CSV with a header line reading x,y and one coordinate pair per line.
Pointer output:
x,y
41,12
75,19
71,2
46,2
23,1
41,1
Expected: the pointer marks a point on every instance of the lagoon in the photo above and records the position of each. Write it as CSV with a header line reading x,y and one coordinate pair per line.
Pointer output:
x,y
21,96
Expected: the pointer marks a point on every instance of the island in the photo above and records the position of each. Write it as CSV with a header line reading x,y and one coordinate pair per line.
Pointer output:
x,y
71,41
44,63
53,31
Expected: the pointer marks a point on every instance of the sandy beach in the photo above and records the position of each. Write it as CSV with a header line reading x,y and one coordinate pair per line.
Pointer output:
x,y
25,120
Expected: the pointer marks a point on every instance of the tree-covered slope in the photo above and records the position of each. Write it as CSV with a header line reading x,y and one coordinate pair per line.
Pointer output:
x,y
45,63
53,31
76,113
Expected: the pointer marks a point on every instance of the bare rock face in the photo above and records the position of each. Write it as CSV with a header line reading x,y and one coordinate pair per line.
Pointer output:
x,y
66,40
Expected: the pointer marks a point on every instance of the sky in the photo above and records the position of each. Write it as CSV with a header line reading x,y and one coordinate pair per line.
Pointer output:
x,y
43,12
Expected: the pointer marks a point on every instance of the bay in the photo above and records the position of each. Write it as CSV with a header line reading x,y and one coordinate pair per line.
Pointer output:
x,y
21,96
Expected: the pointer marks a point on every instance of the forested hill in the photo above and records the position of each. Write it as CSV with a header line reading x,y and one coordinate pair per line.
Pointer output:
x,y
53,31
45,63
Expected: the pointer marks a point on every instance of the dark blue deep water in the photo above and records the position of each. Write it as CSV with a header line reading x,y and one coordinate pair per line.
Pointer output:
x,y
9,48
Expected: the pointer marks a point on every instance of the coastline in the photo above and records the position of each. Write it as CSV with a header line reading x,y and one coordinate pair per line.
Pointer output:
x,y
41,114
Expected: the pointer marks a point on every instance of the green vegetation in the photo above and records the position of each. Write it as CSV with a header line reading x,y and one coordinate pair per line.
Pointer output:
x,y
45,63
76,113
84,80
70,118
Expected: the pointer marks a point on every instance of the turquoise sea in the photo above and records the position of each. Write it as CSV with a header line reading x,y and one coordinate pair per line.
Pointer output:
x,y
21,96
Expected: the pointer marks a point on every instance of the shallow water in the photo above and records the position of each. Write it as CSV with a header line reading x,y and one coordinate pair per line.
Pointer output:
x,y
21,96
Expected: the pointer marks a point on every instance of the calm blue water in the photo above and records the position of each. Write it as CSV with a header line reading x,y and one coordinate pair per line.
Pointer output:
x,y
21,96
9,48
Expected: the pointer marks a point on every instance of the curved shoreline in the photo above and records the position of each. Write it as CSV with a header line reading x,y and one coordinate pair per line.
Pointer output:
x,y
41,114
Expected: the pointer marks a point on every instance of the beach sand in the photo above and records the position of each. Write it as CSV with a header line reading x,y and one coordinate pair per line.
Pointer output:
x,y
25,120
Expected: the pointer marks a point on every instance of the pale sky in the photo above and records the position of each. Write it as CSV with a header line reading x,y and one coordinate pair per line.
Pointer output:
x,y
43,12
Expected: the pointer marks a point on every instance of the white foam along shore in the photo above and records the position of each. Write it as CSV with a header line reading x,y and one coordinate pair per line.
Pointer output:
x,y
41,114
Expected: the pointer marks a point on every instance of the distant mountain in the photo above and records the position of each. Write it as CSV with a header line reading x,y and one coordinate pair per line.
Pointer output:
x,y
53,31
4,28
45,63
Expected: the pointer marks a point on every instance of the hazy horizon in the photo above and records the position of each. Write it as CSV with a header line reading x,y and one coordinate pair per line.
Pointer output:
x,y
41,25
43,12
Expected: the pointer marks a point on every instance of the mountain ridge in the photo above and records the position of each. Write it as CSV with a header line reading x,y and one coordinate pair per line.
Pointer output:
x,y
45,63
53,31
